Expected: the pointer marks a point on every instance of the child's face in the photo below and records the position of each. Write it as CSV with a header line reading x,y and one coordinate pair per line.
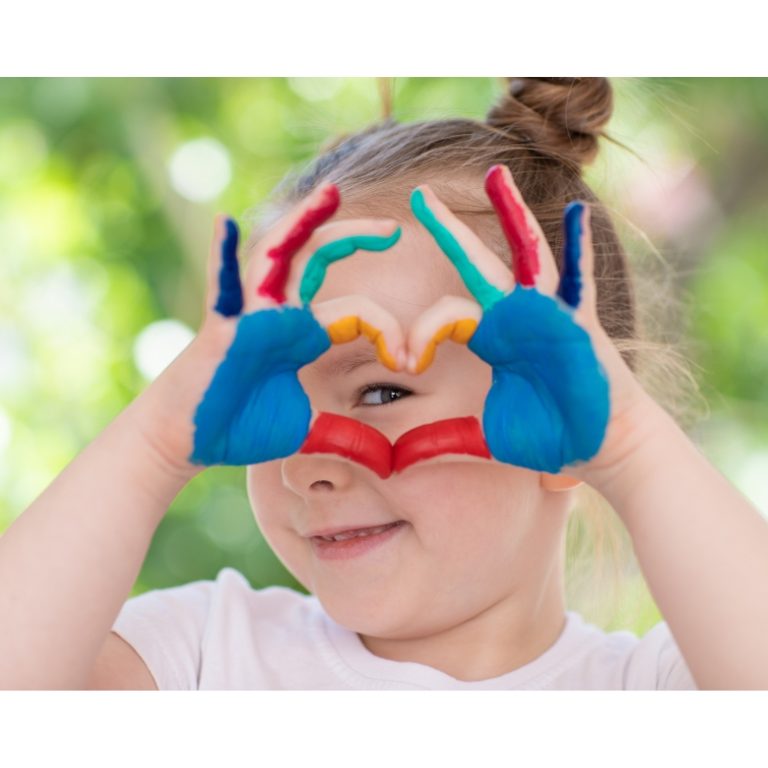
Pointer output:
x,y
478,532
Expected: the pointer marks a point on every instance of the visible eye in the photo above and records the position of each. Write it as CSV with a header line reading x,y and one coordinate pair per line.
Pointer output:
x,y
389,393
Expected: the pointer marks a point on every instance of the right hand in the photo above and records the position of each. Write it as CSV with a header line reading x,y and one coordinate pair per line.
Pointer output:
x,y
232,396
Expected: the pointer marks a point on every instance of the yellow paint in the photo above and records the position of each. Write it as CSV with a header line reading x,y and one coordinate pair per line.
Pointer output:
x,y
349,328
344,330
459,331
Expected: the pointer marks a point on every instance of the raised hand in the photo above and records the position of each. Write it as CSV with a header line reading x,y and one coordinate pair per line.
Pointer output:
x,y
550,401
255,409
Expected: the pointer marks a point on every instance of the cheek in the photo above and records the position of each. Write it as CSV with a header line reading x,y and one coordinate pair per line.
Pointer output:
x,y
267,493
468,506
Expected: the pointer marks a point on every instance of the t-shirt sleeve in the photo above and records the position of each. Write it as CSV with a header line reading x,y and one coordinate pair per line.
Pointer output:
x,y
657,662
165,627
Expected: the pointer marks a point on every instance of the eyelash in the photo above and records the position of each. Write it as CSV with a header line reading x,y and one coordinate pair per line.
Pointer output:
x,y
373,387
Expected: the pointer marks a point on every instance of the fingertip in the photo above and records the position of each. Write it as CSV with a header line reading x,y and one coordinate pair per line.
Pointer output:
x,y
574,218
425,191
493,172
330,196
393,236
232,231
500,174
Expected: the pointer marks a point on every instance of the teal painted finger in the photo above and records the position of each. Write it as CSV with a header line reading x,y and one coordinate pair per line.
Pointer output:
x,y
484,292
314,274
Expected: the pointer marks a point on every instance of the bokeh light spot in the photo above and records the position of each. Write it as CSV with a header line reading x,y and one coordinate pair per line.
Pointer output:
x,y
200,170
158,344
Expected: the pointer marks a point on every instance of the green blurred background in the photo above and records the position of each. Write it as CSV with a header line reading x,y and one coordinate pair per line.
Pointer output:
x,y
107,193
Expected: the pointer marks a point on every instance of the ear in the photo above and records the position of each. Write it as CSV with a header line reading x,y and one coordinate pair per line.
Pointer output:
x,y
558,482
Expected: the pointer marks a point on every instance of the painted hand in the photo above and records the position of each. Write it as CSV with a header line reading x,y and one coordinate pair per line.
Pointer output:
x,y
548,405
255,409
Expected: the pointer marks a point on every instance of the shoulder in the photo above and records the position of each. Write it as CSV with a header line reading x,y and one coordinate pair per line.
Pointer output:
x,y
230,590
177,630
657,658
620,659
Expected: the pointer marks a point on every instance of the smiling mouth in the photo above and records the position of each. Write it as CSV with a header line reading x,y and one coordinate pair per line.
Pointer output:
x,y
359,532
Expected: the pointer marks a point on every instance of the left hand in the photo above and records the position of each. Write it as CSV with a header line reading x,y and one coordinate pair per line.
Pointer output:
x,y
562,395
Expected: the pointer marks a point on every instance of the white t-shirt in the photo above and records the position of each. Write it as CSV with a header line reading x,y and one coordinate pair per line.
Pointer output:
x,y
224,634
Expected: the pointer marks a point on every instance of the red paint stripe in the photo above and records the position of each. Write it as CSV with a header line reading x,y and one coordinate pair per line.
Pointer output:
x,y
460,435
523,242
359,442
274,283
351,439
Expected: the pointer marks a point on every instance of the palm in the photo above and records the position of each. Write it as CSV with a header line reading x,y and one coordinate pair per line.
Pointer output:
x,y
255,409
547,405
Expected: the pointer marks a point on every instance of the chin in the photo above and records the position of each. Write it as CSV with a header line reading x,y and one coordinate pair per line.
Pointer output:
x,y
367,616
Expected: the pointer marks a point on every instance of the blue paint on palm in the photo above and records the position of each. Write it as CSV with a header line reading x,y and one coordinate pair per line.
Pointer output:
x,y
255,408
548,405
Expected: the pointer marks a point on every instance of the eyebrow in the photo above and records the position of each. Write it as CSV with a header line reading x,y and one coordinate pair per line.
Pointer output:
x,y
341,366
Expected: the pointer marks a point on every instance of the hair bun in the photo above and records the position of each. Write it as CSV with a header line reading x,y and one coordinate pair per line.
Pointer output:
x,y
561,117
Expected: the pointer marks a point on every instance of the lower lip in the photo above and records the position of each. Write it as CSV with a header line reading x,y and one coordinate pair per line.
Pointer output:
x,y
359,545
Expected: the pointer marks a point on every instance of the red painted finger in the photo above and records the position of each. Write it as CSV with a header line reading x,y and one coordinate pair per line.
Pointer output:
x,y
511,212
273,285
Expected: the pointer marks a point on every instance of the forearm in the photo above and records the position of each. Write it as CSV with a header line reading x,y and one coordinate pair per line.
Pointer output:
x,y
703,549
68,563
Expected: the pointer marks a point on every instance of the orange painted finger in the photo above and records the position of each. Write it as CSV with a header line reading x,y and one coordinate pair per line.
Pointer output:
x,y
450,318
349,317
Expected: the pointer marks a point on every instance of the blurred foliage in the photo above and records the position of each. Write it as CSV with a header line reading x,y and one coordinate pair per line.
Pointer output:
x,y
99,240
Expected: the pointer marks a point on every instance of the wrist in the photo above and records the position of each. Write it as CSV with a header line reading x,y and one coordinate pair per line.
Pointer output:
x,y
161,476
633,447
162,418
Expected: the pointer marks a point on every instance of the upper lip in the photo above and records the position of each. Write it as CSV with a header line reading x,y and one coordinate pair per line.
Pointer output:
x,y
344,528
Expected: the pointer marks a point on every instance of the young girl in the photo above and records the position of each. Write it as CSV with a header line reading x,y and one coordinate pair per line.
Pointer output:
x,y
420,493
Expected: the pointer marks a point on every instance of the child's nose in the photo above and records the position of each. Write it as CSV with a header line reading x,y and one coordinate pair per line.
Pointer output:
x,y
309,475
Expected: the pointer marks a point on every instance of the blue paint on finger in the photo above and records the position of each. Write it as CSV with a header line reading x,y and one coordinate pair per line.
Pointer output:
x,y
548,405
255,408
230,301
570,286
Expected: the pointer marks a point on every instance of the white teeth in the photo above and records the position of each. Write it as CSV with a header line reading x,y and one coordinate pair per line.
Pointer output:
x,y
355,534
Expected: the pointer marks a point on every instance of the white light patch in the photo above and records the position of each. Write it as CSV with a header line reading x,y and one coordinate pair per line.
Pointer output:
x,y
200,170
158,345
752,479
15,370
5,431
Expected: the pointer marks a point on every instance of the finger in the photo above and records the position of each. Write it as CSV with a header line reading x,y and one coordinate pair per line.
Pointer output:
x,y
457,439
313,274
223,295
532,260
325,245
451,317
271,259
577,285
569,289
352,439
348,317
588,306
482,271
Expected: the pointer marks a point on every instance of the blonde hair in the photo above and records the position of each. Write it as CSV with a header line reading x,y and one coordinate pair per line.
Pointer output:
x,y
545,130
